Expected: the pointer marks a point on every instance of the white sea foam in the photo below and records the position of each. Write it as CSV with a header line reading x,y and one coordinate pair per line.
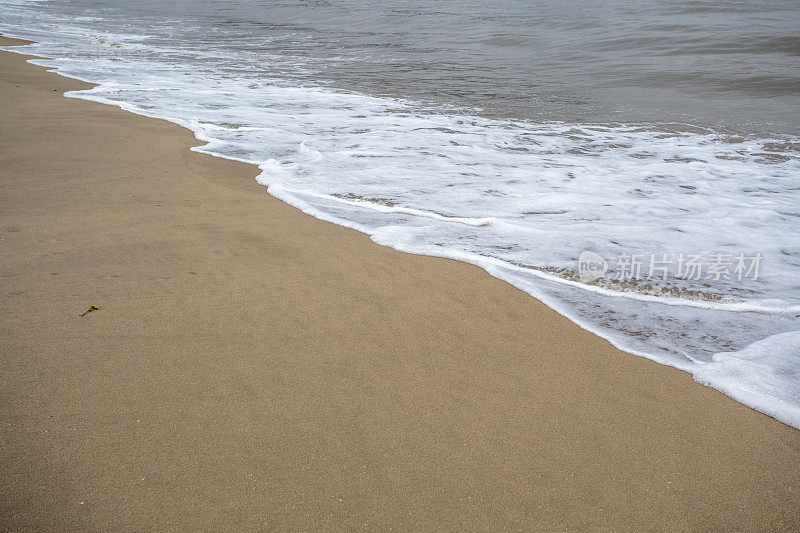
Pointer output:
x,y
765,375
520,199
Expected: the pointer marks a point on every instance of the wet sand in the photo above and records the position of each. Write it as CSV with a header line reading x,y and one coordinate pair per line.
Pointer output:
x,y
250,366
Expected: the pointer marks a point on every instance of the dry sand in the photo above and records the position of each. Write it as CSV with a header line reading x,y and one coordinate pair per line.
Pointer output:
x,y
252,366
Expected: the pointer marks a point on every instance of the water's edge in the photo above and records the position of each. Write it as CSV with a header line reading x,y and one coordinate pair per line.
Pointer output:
x,y
786,413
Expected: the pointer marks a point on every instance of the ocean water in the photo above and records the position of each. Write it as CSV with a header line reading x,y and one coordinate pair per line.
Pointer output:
x,y
634,165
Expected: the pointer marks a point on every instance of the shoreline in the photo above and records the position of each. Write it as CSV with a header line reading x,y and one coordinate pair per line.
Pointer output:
x,y
258,366
664,347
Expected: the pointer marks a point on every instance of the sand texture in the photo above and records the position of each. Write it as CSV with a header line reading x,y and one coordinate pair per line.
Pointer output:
x,y
250,366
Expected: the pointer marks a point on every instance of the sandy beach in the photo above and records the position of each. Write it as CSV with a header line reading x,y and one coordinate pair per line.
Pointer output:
x,y
250,366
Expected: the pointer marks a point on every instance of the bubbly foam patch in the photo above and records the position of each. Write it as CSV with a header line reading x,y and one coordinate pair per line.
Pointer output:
x,y
765,375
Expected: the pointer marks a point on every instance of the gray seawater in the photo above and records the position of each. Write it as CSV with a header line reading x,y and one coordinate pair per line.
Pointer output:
x,y
512,135
732,63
